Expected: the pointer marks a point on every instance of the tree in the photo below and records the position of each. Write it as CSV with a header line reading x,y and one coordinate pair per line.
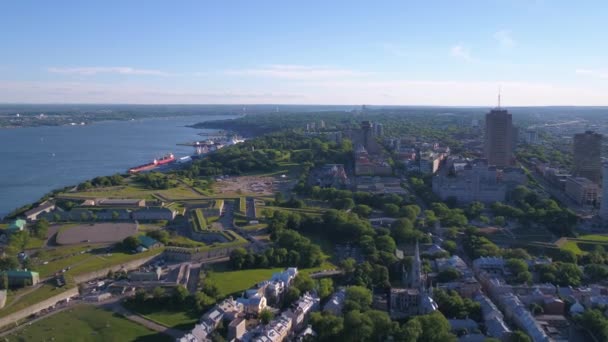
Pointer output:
x,y
386,243
391,210
180,294
130,243
519,336
343,203
450,246
435,328
8,263
448,275
291,296
596,272
203,301
357,298
410,331
362,210
474,209
19,240
357,326
40,228
328,327
595,322
266,316
410,212
238,257
519,271
536,309
303,282
326,288
452,305
381,323
158,293
3,281
499,220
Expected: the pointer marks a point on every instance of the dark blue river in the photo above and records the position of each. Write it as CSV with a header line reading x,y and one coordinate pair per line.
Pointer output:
x,y
37,160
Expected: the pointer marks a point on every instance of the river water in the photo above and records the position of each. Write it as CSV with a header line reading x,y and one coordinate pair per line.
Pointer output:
x,y
36,160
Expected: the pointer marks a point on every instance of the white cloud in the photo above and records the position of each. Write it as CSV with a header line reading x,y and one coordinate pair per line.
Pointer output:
x,y
596,73
504,38
462,52
91,71
298,72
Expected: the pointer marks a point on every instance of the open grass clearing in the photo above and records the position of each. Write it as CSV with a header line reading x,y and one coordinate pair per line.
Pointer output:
x,y
234,282
16,302
177,319
85,323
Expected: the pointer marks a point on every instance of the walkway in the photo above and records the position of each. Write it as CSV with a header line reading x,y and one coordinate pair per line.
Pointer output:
x,y
119,309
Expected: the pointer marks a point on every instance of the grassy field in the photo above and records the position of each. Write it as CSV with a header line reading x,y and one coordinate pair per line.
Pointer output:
x,y
242,208
182,241
34,243
88,261
197,220
235,282
179,319
134,191
573,247
583,243
255,227
85,323
106,260
310,211
31,297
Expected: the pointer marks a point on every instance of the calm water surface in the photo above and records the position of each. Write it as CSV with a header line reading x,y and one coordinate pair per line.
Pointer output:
x,y
36,160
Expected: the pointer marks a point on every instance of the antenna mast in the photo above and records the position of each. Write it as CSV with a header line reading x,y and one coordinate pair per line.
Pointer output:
x,y
499,89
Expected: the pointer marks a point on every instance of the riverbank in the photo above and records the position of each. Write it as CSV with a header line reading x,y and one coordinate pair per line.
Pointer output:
x,y
39,160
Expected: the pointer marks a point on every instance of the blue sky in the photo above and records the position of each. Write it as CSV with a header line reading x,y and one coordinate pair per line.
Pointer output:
x,y
305,52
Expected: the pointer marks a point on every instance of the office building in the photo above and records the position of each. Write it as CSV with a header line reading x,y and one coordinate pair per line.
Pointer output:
x,y
499,138
604,204
587,156
582,190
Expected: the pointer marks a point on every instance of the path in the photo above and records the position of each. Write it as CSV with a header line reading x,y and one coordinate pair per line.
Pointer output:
x,y
21,294
119,309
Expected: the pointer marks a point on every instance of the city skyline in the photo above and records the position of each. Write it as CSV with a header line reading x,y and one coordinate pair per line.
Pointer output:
x,y
394,53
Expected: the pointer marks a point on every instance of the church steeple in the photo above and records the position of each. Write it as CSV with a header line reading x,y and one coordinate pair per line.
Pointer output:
x,y
416,271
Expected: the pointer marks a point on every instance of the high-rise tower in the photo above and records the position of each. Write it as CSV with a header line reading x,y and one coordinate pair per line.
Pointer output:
x,y
604,205
498,146
587,156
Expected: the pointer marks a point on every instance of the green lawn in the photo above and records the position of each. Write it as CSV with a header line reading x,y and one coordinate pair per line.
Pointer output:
x,y
594,237
235,282
573,247
197,220
182,241
178,319
86,262
85,323
134,191
34,243
32,297
255,227
584,243
116,258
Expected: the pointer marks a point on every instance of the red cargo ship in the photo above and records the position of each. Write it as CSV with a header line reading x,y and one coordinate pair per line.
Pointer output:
x,y
156,163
